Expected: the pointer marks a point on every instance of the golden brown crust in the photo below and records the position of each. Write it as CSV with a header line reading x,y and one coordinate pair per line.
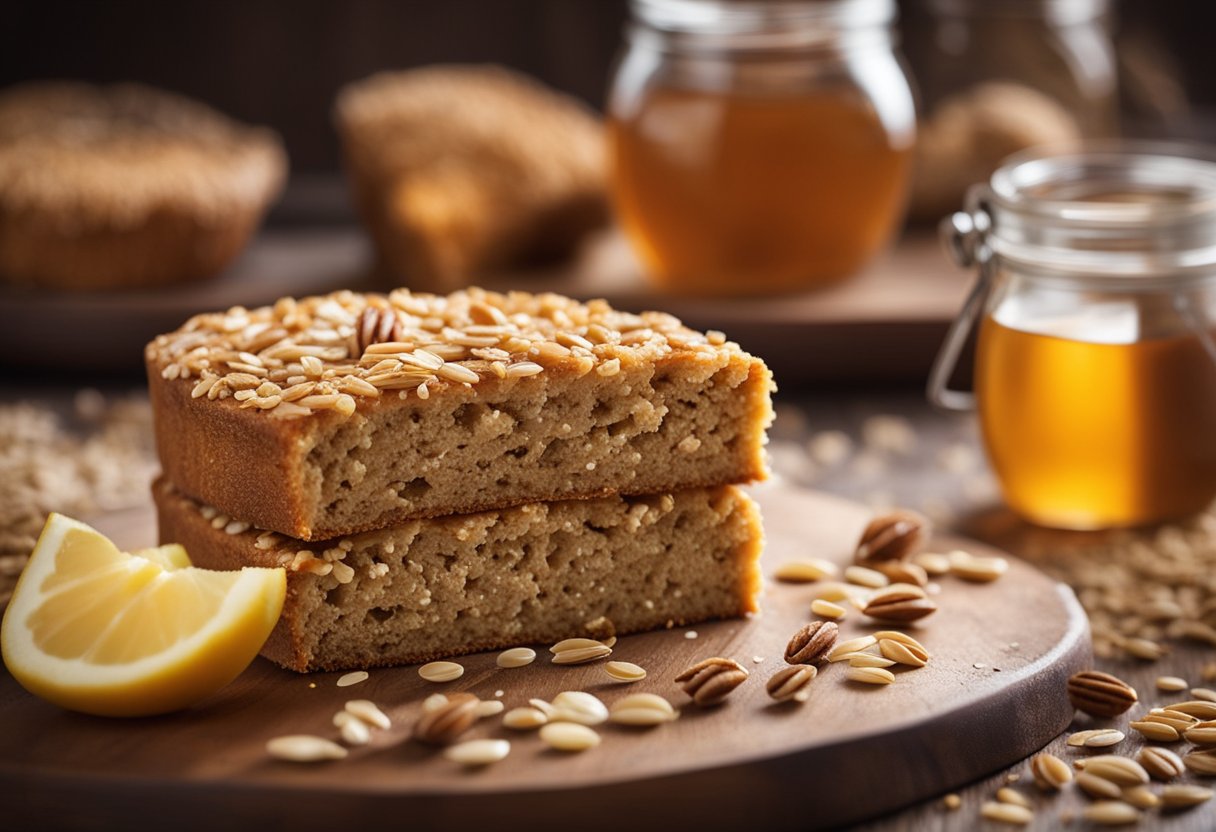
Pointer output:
x,y
706,541
673,411
123,186
234,460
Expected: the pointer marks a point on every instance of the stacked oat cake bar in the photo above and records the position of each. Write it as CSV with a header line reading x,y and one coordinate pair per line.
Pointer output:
x,y
448,474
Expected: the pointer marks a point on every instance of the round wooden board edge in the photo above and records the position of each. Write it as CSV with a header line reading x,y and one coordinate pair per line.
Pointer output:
x,y
766,789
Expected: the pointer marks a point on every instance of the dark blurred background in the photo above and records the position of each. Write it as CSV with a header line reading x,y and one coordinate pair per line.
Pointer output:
x,y
280,63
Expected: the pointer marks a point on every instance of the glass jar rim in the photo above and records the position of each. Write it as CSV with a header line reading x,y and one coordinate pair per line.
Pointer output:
x,y
1105,210
1134,182
730,17
1058,12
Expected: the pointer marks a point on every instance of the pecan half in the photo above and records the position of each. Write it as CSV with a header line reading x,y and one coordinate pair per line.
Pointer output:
x,y
892,537
1100,694
710,681
812,643
900,602
912,655
445,723
376,325
792,683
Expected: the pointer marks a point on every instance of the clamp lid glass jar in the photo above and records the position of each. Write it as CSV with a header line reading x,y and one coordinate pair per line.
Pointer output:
x,y
1095,375
759,146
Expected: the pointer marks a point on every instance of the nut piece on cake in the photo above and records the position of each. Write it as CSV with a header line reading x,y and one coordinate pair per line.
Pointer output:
x,y
531,574
461,169
126,186
299,419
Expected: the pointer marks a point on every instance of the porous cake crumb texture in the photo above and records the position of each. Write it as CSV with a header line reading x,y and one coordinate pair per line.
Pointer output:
x,y
535,573
297,419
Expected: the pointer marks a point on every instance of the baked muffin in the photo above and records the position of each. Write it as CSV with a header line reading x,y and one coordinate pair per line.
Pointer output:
x,y
459,170
126,186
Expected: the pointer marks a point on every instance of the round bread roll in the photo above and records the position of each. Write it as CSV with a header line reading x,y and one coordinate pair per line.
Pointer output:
x,y
126,186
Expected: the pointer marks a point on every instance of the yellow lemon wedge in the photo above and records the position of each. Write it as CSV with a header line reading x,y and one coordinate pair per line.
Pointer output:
x,y
101,631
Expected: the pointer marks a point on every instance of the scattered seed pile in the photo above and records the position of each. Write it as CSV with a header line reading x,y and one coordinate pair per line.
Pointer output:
x,y
1121,787
887,547
1142,588
99,459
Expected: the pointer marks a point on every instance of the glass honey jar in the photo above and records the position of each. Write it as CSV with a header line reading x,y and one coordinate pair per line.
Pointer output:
x,y
759,147
1095,369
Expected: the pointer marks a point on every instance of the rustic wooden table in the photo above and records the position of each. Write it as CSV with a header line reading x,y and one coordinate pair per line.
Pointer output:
x,y
892,449
903,452
882,449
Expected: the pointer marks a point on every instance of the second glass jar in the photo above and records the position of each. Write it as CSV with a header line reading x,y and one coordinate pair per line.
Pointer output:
x,y
1095,370
759,147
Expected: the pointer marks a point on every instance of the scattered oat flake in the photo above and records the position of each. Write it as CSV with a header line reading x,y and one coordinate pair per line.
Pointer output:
x,y
1096,738
516,657
367,711
441,671
758,659
625,671
434,702
478,752
354,731
829,447
353,678
304,748
489,707
569,736
889,434
1010,813
523,719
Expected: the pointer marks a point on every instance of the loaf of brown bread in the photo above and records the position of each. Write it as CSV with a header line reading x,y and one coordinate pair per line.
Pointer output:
x,y
459,170
343,413
532,574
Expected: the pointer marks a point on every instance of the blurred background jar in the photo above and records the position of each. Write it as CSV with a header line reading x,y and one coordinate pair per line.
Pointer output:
x,y
1095,371
759,147
999,76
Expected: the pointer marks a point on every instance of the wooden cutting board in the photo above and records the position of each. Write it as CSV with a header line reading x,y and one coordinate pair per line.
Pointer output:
x,y
992,694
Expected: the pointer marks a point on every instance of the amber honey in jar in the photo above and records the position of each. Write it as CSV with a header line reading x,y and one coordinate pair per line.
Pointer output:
x,y
1095,376
759,147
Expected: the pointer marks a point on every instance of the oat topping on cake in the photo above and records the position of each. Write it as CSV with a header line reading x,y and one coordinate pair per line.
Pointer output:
x,y
335,351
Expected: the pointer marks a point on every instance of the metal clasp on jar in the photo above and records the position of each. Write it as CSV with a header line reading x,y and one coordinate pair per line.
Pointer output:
x,y
965,237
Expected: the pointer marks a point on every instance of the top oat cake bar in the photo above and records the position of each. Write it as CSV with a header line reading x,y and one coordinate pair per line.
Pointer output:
x,y
346,412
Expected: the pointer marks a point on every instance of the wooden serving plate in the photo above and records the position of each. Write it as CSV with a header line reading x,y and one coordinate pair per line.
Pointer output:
x,y
992,694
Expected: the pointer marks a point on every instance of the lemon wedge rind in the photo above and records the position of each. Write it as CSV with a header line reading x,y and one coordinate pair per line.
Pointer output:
x,y
179,671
